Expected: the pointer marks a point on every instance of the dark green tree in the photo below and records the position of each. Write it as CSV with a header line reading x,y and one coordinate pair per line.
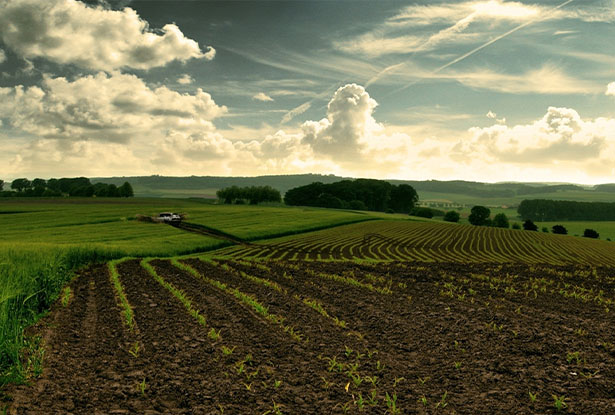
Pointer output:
x,y
422,212
451,216
21,184
479,215
1,185
125,190
403,198
559,229
529,225
590,233
500,221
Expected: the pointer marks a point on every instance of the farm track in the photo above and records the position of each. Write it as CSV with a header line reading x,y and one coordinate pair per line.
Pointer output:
x,y
276,333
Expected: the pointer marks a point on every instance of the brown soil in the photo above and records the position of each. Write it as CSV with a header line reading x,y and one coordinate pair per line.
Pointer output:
x,y
448,338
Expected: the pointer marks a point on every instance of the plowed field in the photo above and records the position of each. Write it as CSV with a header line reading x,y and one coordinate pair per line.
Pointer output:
x,y
299,337
432,242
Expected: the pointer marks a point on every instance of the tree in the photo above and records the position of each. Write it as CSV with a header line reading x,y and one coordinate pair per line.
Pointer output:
x,y
559,229
403,198
500,221
422,212
451,216
1,185
479,215
528,225
20,184
39,183
590,233
125,190
516,226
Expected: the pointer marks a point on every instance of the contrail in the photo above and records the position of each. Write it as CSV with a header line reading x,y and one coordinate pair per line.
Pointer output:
x,y
484,45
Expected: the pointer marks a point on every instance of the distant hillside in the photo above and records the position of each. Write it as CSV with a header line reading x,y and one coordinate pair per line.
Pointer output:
x,y
448,192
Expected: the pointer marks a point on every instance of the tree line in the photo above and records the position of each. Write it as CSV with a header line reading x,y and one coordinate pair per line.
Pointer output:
x,y
359,194
252,194
75,187
544,210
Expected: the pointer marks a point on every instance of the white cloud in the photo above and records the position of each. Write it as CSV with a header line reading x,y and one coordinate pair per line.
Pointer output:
x,y
560,136
261,96
296,111
2,56
185,79
347,127
610,89
491,115
69,32
103,107
392,37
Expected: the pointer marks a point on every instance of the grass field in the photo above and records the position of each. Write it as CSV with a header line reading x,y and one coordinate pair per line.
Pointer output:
x,y
42,241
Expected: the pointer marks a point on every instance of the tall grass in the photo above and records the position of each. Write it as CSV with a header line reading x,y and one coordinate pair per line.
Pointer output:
x,y
31,278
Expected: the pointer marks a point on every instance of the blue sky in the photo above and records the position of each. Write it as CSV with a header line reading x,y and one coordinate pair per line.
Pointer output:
x,y
487,90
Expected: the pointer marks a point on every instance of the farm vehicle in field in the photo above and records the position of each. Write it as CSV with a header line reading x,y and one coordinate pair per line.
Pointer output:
x,y
164,217
168,217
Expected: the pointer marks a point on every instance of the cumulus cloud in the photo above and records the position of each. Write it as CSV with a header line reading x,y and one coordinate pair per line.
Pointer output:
x,y
348,126
261,96
104,107
97,38
559,136
610,89
185,79
491,115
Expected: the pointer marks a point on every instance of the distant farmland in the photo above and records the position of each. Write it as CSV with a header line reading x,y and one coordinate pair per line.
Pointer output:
x,y
431,242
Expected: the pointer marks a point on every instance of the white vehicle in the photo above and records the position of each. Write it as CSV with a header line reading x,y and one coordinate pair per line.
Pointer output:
x,y
168,217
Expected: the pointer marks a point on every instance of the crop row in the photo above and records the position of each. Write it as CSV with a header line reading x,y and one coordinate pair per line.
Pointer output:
x,y
430,242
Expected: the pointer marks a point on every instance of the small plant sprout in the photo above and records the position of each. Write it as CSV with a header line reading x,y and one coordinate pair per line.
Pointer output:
x,y
443,403
423,400
559,402
66,296
398,380
213,334
275,410
423,380
574,356
347,351
533,396
372,400
135,349
228,350
391,401
277,383
142,386
380,366
361,402
458,365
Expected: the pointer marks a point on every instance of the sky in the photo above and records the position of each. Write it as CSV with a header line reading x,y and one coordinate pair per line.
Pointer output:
x,y
484,90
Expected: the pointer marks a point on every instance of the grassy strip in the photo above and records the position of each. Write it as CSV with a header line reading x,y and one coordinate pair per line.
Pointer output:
x,y
316,305
351,281
31,279
177,293
129,315
242,297
261,281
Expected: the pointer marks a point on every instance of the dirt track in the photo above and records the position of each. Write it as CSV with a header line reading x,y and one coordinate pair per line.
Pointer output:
x,y
469,339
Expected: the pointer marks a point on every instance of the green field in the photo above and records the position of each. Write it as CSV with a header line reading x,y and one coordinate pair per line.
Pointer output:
x,y
44,240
